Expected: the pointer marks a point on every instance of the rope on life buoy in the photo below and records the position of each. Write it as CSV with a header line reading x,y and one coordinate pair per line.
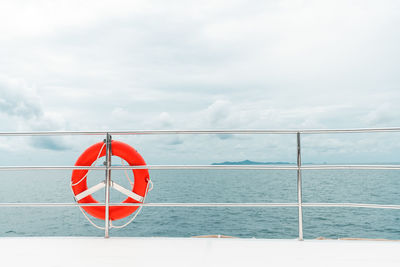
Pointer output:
x,y
140,208
85,176
137,212
82,194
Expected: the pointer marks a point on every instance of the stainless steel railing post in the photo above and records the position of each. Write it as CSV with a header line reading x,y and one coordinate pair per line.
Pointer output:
x,y
299,193
108,183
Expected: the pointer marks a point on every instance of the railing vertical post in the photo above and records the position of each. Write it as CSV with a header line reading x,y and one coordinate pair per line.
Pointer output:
x,y
299,188
108,183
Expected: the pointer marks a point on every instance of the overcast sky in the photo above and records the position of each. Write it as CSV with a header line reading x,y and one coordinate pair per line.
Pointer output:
x,y
114,65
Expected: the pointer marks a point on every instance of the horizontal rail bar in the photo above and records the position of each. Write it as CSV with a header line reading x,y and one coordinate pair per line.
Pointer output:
x,y
352,205
351,167
158,132
261,167
153,167
32,168
150,204
360,130
209,167
349,205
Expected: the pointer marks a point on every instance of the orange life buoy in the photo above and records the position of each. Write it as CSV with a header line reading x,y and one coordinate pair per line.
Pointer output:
x,y
141,176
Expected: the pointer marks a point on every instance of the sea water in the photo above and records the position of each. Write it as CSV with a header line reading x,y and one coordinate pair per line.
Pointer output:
x,y
231,186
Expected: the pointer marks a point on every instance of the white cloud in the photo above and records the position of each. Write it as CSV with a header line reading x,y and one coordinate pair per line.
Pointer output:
x,y
212,64
384,114
21,109
18,100
166,120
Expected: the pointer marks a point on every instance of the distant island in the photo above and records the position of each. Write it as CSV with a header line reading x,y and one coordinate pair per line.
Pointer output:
x,y
249,162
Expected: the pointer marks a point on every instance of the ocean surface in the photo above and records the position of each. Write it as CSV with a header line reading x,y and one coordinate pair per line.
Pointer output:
x,y
359,186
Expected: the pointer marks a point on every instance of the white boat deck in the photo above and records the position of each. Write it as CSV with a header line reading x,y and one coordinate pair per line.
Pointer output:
x,y
115,251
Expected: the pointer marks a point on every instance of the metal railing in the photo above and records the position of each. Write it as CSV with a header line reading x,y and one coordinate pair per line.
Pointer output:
x,y
299,167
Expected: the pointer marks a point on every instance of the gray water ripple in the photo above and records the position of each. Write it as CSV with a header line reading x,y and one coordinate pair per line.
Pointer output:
x,y
380,187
